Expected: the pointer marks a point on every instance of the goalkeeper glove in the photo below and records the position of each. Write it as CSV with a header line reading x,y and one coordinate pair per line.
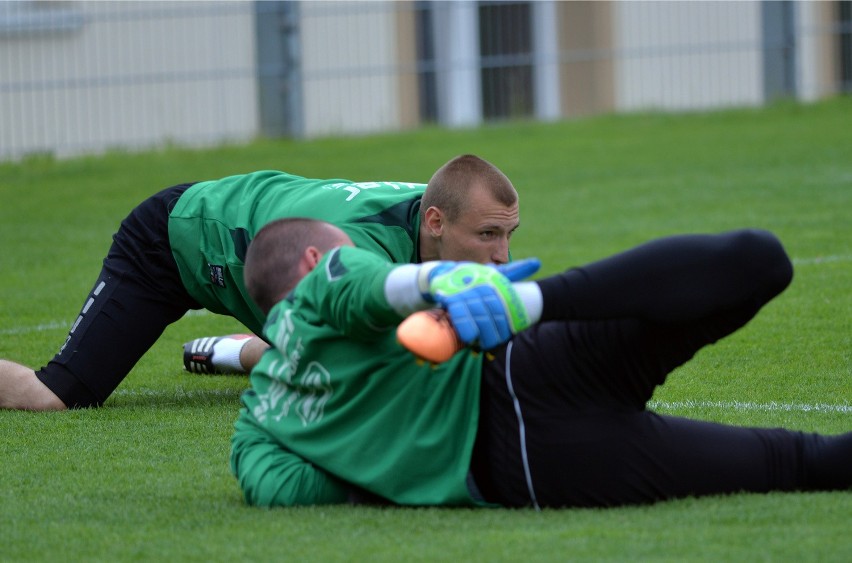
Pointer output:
x,y
483,304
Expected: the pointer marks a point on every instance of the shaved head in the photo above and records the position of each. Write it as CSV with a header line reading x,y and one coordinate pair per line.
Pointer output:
x,y
272,260
450,186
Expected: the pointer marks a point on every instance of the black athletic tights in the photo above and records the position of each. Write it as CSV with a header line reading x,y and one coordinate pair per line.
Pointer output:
x,y
563,419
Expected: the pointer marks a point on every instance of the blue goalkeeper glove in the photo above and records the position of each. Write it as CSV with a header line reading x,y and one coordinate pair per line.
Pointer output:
x,y
480,299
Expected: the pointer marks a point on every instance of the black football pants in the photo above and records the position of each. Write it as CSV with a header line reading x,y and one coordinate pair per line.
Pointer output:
x,y
563,420
138,293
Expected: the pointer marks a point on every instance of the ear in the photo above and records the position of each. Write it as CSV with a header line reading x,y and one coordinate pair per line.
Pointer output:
x,y
435,221
313,255
309,260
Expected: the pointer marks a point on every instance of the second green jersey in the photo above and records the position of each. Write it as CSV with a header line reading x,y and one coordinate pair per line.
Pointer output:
x,y
213,222
342,397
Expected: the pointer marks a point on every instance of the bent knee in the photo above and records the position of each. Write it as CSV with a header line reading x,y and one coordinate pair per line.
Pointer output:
x,y
763,256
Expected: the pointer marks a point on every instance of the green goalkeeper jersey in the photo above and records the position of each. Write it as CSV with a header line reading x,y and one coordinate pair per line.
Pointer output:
x,y
213,222
344,402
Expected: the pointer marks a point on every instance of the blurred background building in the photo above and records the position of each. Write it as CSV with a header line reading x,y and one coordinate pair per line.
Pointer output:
x,y
80,77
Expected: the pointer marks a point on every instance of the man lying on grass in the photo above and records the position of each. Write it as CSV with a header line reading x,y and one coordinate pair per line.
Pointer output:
x,y
545,407
183,248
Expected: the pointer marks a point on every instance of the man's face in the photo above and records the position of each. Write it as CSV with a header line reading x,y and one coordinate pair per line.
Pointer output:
x,y
480,233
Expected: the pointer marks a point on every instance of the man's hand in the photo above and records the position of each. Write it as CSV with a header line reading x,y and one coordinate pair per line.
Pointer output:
x,y
480,299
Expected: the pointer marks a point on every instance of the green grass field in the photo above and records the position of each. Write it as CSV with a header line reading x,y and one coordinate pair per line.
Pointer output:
x,y
146,477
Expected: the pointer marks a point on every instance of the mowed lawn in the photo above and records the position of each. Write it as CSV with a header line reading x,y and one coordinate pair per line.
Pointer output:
x,y
146,477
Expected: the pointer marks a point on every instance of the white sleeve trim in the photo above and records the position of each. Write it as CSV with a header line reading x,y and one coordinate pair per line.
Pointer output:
x,y
402,290
530,295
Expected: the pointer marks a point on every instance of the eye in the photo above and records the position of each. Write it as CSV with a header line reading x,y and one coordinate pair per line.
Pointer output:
x,y
486,235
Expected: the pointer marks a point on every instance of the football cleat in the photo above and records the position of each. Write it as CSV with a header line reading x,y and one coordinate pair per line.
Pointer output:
x,y
199,355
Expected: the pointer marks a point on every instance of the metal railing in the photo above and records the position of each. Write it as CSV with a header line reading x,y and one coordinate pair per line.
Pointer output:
x,y
84,77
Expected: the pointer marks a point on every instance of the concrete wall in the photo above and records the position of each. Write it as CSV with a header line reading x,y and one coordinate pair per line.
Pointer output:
x,y
687,55
125,75
350,57
84,77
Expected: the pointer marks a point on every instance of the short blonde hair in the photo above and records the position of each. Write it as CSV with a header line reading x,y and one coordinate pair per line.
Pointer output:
x,y
450,185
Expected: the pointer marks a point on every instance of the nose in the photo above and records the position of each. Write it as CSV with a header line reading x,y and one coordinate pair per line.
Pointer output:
x,y
501,252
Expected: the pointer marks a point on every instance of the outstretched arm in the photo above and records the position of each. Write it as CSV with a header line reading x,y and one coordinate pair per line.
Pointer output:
x,y
363,295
